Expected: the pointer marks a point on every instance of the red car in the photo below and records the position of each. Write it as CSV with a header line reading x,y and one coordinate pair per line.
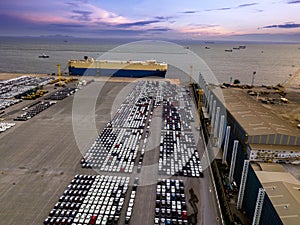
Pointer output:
x,y
184,215
93,220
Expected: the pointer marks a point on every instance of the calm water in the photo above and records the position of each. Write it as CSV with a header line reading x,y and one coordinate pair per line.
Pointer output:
x,y
272,62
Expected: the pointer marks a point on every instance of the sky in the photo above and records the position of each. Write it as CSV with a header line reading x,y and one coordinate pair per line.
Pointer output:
x,y
162,19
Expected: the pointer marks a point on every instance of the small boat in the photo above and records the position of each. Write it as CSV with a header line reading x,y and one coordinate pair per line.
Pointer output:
x,y
44,56
242,46
207,47
236,48
228,50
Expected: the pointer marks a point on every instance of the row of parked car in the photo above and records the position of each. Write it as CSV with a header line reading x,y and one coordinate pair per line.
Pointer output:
x,y
185,109
178,155
5,126
134,111
115,150
170,116
15,91
142,89
16,86
34,111
186,118
97,153
5,103
132,116
176,117
178,151
90,199
131,201
170,205
62,93
116,147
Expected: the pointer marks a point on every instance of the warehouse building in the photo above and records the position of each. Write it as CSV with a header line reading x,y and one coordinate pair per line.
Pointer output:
x,y
266,136
248,132
283,190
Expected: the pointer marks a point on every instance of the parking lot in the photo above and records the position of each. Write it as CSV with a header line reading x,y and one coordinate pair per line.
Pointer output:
x,y
90,199
40,158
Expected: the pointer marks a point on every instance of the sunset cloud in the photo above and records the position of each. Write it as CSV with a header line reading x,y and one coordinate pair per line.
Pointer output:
x,y
233,7
177,19
294,2
205,29
285,25
246,5
189,12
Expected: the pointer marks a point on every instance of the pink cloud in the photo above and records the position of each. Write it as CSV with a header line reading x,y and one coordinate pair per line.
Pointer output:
x,y
101,15
68,15
205,30
45,18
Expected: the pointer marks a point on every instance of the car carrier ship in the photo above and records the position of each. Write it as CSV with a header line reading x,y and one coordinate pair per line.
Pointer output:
x,y
92,67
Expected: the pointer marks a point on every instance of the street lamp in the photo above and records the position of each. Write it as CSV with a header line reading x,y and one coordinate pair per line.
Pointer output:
x,y
253,76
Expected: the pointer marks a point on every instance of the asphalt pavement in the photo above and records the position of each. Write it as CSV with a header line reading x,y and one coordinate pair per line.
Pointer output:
x,y
40,157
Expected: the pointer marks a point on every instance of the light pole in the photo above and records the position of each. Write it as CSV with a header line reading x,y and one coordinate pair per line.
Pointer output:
x,y
191,74
253,76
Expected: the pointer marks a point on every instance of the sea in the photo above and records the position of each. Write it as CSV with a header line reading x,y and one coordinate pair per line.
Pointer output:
x,y
260,63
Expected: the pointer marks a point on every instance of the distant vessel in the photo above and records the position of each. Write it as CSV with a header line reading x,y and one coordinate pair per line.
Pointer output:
x,y
91,67
242,46
44,56
236,48
228,50
207,47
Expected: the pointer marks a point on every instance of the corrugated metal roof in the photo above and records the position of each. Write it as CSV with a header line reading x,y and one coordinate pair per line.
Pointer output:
x,y
271,167
283,190
253,117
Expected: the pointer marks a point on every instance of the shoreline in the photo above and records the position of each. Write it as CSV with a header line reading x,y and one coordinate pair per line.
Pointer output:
x,y
7,76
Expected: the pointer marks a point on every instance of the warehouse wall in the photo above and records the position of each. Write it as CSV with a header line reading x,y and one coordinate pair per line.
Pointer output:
x,y
274,139
269,215
240,157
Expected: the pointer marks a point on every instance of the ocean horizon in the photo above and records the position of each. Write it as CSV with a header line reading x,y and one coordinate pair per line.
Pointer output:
x,y
273,62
